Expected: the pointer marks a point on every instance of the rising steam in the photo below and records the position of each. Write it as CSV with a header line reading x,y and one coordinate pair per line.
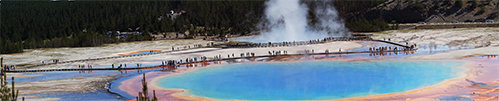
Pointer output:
x,y
286,20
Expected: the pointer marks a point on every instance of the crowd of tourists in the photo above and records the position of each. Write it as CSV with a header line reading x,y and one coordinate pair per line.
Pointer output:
x,y
296,43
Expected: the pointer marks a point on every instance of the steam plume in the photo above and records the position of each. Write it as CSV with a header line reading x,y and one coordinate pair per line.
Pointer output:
x,y
286,20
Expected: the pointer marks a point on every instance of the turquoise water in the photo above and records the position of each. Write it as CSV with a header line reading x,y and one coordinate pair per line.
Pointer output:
x,y
140,53
311,80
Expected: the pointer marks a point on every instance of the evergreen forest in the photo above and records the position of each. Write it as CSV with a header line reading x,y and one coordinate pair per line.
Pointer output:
x,y
49,24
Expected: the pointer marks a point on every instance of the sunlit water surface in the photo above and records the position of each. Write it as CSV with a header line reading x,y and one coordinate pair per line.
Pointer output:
x,y
311,80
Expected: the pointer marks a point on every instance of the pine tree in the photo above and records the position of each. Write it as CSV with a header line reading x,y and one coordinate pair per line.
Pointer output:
x,y
7,94
143,95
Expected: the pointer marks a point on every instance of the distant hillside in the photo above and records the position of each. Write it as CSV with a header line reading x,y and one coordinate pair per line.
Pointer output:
x,y
412,11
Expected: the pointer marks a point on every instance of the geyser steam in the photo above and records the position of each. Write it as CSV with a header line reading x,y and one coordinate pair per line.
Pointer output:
x,y
286,20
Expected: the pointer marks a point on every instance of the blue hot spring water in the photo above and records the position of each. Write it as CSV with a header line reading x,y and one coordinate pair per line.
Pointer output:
x,y
140,53
311,80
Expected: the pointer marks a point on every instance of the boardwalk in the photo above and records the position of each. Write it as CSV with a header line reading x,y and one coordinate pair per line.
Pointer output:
x,y
246,45
393,43
213,60
114,57
298,43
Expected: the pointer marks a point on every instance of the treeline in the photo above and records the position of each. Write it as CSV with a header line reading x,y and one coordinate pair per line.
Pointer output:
x,y
47,20
8,46
45,24
81,39
352,11
239,16
361,24
76,40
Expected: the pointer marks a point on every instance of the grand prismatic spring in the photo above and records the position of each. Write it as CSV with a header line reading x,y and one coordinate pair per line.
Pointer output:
x,y
289,59
431,72
311,80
